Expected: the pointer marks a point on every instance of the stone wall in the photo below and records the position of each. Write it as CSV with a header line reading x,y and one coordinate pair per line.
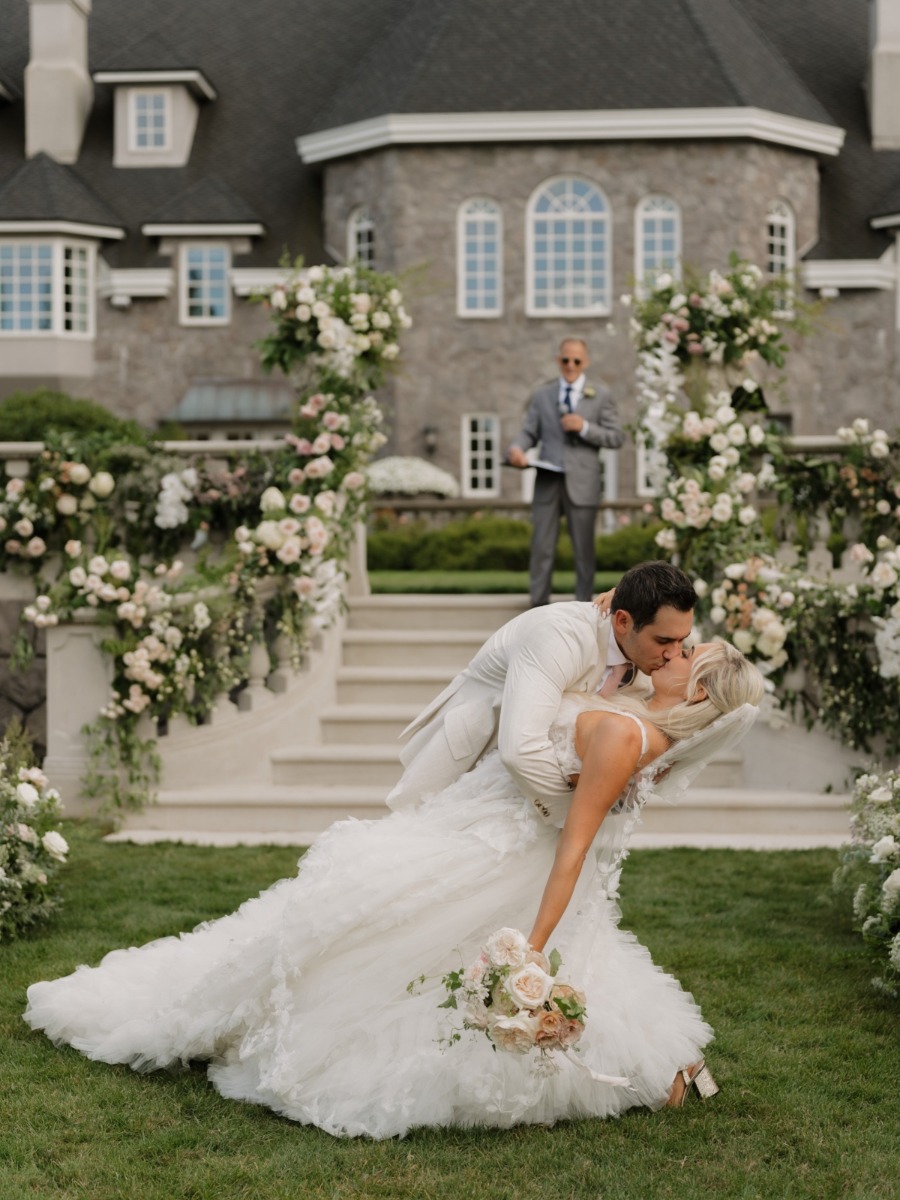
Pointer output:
x,y
452,365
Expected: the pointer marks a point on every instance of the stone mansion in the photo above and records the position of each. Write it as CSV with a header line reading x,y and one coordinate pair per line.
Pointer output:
x,y
517,164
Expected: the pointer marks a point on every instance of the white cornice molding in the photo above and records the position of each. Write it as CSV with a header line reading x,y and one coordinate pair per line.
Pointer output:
x,y
64,228
593,125
842,273
247,280
121,286
887,222
210,229
195,80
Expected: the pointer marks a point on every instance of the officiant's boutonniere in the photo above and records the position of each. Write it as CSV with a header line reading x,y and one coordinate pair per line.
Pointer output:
x,y
589,393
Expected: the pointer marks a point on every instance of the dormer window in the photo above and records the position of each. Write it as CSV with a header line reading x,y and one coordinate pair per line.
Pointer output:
x,y
149,120
156,111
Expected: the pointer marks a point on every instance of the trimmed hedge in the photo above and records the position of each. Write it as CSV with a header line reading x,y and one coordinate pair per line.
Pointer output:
x,y
493,543
27,417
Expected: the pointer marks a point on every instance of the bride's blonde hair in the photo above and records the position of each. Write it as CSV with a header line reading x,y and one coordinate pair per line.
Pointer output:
x,y
728,678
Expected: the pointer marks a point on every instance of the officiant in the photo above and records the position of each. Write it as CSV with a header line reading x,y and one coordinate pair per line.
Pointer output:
x,y
572,421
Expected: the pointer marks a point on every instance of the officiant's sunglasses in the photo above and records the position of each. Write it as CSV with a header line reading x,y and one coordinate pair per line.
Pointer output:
x,y
576,362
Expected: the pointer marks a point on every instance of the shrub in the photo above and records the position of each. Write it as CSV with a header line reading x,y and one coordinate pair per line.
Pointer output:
x,y
482,543
27,416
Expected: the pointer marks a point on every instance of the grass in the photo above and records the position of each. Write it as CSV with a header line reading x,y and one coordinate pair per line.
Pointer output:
x,y
806,1055
514,582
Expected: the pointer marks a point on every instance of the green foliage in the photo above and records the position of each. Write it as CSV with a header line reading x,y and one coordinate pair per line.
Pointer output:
x,y
483,543
29,416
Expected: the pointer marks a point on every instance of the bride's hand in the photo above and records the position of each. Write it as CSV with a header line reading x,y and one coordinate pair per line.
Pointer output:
x,y
604,601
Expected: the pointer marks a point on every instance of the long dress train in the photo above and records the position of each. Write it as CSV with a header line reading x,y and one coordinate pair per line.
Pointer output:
x,y
299,999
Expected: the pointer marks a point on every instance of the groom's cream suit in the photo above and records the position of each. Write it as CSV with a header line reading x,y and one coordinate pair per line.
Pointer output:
x,y
508,695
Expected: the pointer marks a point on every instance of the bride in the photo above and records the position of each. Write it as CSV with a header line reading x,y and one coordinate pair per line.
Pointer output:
x,y
299,1000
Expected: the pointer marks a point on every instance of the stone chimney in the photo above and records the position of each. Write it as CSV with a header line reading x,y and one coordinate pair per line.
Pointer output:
x,y
884,74
59,91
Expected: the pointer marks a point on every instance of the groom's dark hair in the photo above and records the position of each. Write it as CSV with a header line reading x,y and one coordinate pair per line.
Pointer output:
x,y
650,586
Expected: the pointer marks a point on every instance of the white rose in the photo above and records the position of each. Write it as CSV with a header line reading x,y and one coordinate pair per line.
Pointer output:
x,y
734,571
516,1033
879,449
120,569
757,435
289,552
737,434
718,442
884,849
27,794
98,565
507,948
272,499
743,639
725,414
79,473
717,614
72,548
881,795
747,515
78,577
24,528
530,986
786,599
55,845
745,482
701,587
67,505
718,468
892,884
883,575
102,485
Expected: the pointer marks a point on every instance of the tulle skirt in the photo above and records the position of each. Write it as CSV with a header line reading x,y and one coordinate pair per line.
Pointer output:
x,y
299,1000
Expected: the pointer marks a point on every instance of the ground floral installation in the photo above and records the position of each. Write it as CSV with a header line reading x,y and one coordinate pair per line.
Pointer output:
x,y
32,849
707,350
870,872
101,526
409,476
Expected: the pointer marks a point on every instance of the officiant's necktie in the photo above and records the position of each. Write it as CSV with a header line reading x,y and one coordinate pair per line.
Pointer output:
x,y
567,399
618,676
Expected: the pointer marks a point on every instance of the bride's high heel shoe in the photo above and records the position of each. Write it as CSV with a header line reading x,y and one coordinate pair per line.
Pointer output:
x,y
696,1078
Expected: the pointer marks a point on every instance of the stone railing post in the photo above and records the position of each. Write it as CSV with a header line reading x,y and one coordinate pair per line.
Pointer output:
x,y
79,684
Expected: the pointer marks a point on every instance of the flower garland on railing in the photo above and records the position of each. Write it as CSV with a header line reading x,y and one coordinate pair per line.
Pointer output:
x,y
101,525
870,871
717,458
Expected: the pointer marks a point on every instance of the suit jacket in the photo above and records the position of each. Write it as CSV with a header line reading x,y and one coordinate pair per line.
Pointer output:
x,y
511,691
577,453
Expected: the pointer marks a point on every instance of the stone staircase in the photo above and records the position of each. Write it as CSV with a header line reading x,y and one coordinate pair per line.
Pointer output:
x,y
397,652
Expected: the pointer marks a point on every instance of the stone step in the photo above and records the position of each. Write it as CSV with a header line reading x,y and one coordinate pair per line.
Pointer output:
x,y
369,724
391,685
297,814
438,612
411,647
337,766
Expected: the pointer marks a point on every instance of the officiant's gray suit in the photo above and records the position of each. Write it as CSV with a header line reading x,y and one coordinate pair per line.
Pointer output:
x,y
575,489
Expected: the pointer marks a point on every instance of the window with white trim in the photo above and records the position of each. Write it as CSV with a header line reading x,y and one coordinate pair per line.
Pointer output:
x,y
781,248
479,259
46,287
149,119
361,238
480,454
569,252
205,294
657,240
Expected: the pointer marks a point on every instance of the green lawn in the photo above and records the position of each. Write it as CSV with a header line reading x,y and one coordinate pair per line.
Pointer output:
x,y
515,582
807,1056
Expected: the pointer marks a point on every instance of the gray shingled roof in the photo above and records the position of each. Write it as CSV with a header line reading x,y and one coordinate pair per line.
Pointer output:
x,y
286,69
210,202
44,190
493,56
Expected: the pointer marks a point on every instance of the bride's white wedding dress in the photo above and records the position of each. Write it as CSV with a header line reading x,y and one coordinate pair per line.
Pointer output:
x,y
299,999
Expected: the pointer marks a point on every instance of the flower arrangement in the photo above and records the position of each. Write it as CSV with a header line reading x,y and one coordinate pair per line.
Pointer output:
x,y
344,322
32,849
511,993
400,476
870,871
99,526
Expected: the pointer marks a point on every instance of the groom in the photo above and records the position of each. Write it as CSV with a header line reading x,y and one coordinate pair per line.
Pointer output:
x,y
511,690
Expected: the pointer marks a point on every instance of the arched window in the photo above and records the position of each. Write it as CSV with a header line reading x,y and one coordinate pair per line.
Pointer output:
x,y
657,240
569,259
361,238
479,259
781,248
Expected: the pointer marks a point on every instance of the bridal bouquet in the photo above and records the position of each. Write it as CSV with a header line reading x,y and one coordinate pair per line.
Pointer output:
x,y
511,993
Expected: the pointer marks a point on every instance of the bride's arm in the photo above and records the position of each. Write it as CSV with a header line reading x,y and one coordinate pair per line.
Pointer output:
x,y
611,756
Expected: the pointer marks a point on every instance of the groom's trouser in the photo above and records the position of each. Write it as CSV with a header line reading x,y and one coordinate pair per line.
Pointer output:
x,y
551,501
